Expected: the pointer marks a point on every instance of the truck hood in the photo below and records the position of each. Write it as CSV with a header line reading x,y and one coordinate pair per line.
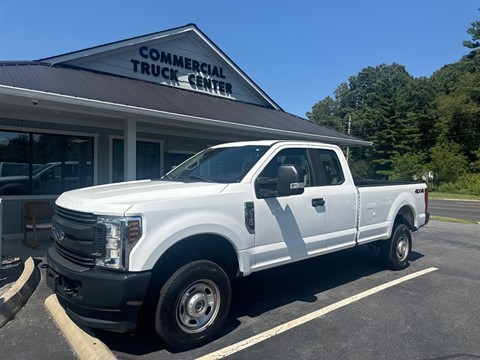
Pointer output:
x,y
116,199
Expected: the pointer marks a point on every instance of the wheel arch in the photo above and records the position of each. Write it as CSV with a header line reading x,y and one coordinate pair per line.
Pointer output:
x,y
208,246
12,189
405,215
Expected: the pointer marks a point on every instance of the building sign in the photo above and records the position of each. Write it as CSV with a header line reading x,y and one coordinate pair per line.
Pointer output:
x,y
201,75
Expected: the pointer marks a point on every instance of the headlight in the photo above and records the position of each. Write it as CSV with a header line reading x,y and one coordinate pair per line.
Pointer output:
x,y
121,235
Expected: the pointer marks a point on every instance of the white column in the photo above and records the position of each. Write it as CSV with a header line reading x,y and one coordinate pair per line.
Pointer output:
x,y
130,151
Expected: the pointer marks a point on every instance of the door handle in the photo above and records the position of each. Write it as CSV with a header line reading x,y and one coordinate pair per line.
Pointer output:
x,y
318,202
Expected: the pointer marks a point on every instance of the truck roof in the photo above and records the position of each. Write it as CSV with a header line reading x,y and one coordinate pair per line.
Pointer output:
x,y
268,143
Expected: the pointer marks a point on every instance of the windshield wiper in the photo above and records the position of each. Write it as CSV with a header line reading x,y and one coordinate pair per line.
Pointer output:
x,y
195,177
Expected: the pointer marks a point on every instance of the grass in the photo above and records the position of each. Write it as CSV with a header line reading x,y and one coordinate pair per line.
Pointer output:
x,y
452,220
443,195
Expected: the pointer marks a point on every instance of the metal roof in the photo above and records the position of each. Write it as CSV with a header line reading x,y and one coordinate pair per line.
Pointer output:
x,y
85,84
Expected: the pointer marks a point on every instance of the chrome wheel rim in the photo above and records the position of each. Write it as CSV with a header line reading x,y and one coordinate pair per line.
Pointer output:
x,y
402,247
198,306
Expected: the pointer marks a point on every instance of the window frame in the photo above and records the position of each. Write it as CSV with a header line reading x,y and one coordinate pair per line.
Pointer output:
x,y
112,138
316,177
31,132
321,169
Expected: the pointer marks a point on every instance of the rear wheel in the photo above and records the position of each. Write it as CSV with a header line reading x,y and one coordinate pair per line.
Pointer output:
x,y
396,251
193,305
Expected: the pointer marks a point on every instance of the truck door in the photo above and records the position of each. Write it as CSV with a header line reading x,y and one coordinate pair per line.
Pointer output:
x,y
341,200
291,227
49,181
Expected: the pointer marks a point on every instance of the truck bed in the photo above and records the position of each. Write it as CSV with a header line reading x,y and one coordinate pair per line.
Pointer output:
x,y
372,183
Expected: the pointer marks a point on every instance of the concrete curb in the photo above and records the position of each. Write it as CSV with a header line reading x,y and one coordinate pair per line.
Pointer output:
x,y
20,292
85,345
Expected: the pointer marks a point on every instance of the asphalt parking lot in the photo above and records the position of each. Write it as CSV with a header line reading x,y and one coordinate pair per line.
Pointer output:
x,y
435,315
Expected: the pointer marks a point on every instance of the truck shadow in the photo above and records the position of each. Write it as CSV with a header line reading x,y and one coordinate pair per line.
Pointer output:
x,y
264,291
252,296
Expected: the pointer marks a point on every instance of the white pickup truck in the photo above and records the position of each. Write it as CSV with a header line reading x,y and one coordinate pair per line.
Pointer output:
x,y
166,250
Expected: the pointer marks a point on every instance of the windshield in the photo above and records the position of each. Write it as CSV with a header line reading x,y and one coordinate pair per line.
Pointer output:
x,y
39,169
221,165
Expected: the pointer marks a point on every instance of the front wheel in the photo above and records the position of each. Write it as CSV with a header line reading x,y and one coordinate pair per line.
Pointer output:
x,y
193,305
396,251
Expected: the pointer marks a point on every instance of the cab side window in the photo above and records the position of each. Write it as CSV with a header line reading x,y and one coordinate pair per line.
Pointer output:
x,y
56,172
298,157
331,167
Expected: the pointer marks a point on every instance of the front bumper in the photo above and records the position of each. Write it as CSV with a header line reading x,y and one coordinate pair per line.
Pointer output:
x,y
97,298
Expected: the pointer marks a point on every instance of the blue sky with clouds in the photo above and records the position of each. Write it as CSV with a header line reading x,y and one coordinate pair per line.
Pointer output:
x,y
297,51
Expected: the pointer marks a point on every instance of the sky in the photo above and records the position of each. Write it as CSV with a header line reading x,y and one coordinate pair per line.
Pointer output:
x,y
296,51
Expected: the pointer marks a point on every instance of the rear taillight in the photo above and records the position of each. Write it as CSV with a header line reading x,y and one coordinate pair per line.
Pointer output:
x,y
426,199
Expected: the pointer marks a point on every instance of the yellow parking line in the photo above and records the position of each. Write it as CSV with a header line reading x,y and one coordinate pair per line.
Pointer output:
x,y
229,350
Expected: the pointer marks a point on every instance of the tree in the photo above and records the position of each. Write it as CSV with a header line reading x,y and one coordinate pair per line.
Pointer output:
x,y
325,113
15,150
458,104
411,121
374,101
410,166
448,164
474,31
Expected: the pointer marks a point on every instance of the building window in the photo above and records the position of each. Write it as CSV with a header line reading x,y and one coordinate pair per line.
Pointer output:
x,y
39,164
148,160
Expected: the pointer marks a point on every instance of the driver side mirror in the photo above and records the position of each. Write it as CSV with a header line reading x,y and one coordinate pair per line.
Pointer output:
x,y
289,181
47,175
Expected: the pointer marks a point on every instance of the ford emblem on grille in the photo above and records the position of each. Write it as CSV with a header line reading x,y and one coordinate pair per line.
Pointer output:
x,y
58,232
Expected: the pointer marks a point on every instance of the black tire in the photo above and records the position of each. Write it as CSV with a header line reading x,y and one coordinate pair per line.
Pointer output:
x,y
395,252
193,305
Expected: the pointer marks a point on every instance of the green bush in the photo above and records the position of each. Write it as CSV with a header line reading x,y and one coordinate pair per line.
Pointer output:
x,y
447,162
410,166
468,184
